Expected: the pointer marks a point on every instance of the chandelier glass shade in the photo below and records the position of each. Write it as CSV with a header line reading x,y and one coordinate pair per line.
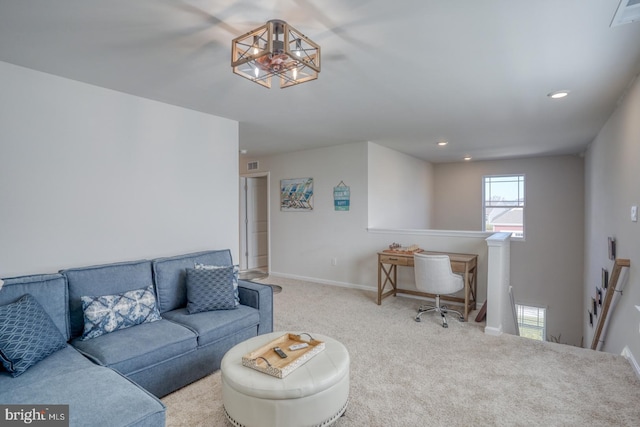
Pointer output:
x,y
275,50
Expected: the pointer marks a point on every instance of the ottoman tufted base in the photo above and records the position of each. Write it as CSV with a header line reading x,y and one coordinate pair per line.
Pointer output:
x,y
315,394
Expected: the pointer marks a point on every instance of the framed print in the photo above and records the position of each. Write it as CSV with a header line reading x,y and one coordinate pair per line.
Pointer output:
x,y
612,248
296,194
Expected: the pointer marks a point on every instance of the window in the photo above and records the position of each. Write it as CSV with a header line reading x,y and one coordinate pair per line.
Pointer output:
x,y
532,322
503,206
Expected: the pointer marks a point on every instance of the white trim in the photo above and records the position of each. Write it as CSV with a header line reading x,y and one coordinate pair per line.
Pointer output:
x,y
352,286
439,233
498,239
259,175
632,360
323,281
496,332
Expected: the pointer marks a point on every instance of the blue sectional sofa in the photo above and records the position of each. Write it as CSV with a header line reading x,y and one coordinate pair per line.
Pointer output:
x,y
117,378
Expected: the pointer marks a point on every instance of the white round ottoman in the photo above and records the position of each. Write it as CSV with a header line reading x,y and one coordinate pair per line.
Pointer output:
x,y
315,394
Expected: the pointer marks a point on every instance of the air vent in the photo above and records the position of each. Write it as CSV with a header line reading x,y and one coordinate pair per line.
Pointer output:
x,y
628,11
253,166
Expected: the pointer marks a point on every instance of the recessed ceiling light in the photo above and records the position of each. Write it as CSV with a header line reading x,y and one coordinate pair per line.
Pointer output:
x,y
243,151
442,143
558,94
467,158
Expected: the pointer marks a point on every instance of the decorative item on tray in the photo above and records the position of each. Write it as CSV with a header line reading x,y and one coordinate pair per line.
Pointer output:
x,y
283,355
397,248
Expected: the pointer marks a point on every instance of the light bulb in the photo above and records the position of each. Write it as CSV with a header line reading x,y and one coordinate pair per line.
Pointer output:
x,y
256,71
298,48
558,94
295,74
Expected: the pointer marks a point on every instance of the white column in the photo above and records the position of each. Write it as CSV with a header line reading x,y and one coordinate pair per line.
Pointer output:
x,y
499,314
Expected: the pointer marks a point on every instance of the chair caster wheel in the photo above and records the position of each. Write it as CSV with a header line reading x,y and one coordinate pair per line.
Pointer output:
x,y
417,319
446,325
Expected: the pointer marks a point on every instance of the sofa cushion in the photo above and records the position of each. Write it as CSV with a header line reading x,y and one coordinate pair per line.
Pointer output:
x,y
49,289
96,395
108,313
236,273
210,289
169,275
105,279
211,326
27,335
133,349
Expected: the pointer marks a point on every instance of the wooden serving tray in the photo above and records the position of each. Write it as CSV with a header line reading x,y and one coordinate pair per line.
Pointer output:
x,y
264,359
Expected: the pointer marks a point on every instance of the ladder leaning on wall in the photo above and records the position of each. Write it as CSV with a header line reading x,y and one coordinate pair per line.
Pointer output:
x,y
608,300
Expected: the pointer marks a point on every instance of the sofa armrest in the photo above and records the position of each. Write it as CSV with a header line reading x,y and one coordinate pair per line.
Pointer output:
x,y
260,297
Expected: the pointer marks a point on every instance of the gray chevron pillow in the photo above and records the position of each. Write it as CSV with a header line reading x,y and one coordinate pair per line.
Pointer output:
x,y
235,276
209,290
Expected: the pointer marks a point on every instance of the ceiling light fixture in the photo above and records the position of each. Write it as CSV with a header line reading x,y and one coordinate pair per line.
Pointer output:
x,y
276,50
442,143
467,158
558,94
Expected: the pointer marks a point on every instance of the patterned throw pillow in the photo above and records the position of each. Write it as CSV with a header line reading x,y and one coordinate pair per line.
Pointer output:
x,y
27,335
210,289
235,277
108,313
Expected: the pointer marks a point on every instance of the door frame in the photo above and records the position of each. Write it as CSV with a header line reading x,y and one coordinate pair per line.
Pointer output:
x,y
243,224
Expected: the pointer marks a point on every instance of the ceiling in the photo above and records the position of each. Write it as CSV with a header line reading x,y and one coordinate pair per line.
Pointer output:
x,y
401,74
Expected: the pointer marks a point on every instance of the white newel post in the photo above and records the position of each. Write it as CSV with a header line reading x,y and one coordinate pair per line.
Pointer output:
x,y
499,314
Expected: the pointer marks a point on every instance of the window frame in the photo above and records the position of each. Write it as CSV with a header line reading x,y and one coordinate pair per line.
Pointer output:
x,y
520,308
518,204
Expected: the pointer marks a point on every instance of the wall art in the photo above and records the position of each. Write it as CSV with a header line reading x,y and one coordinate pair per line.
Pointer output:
x,y
296,194
341,197
612,248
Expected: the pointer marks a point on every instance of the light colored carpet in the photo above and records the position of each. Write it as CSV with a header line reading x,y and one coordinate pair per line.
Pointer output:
x,y
405,373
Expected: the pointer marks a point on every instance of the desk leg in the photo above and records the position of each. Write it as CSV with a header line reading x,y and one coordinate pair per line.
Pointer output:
x,y
474,287
379,283
395,280
391,277
467,285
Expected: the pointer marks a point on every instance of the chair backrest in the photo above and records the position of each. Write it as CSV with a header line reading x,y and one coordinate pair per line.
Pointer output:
x,y
434,275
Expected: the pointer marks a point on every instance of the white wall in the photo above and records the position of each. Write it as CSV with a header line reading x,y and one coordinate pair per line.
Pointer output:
x,y
400,189
546,268
89,175
303,243
612,187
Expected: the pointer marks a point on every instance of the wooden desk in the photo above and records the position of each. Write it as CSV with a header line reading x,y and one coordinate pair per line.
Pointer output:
x,y
466,264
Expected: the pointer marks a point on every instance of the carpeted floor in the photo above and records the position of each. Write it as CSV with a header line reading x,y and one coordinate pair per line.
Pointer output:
x,y
405,373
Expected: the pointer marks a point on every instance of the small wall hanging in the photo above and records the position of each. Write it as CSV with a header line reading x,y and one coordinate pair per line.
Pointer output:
x,y
341,197
612,248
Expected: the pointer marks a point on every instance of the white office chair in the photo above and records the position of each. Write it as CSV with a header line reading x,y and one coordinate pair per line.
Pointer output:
x,y
434,276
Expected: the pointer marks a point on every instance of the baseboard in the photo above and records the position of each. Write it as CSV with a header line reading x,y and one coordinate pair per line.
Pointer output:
x,y
324,282
354,286
632,360
489,330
